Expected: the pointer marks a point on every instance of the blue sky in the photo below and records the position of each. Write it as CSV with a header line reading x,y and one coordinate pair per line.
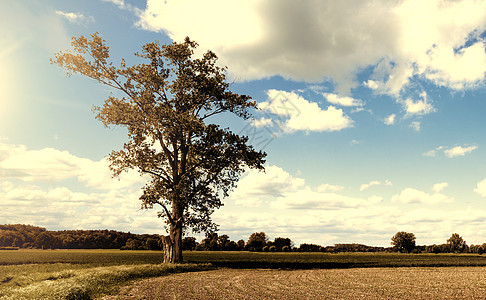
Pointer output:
x,y
371,112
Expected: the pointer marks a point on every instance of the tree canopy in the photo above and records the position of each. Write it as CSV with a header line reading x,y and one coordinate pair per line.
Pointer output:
x,y
166,107
404,241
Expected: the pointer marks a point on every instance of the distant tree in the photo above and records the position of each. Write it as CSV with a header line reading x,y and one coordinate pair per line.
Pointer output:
x,y
403,241
240,245
256,241
167,107
309,247
189,243
456,243
152,244
43,240
223,242
280,242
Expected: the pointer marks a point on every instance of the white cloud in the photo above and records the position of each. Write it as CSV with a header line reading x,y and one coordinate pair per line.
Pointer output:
x,y
52,165
77,18
419,107
390,120
459,151
438,187
481,188
308,199
326,187
342,100
125,6
415,125
314,40
365,186
262,122
297,113
410,195
451,152
255,186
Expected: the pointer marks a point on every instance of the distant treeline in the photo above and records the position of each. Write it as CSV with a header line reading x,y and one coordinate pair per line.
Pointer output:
x,y
28,236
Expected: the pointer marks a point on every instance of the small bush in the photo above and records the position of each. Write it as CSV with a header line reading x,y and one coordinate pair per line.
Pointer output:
x,y
265,249
285,248
272,249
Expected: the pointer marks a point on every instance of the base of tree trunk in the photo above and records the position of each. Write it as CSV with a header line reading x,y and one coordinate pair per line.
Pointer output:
x,y
168,247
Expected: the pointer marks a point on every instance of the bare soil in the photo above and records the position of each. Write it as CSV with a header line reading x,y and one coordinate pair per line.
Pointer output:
x,y
360,283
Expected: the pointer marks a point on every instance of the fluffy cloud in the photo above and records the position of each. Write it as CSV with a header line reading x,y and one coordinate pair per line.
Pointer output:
x,y
390,120
365,186
262,122
481,188
37,188
309,199
296,113
77,18
459,151
256,185
325,187
312,40
52,165
438,187
343,101
451,152
419,107
410,195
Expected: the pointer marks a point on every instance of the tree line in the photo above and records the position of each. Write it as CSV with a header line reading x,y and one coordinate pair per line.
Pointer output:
x,y
27,236
405,242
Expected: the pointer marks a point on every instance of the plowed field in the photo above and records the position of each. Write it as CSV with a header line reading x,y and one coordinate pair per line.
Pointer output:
x,y
360,283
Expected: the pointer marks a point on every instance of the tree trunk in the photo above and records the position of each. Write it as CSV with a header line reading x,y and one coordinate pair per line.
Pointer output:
x,y
172,244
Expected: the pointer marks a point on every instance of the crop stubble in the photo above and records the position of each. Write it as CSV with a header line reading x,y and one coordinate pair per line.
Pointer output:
x,y
361,283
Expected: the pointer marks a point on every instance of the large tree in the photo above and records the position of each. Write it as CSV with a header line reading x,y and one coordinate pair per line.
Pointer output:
x,y
456,243
404,241
166,106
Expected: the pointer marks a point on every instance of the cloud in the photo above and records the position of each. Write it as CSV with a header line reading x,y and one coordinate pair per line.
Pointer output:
x,y
481,188
325,187
411,196
314,40
419,107
255,186
415,125
52,165
121,4
262,122
390,120
309,199
365,186
451,152
459,151
342,101
438,187
77,18
296,113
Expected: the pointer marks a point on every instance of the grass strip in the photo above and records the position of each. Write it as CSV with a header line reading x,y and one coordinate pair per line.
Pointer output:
x,y
94,282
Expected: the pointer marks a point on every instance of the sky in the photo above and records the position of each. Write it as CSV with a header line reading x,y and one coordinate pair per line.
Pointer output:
x,y
371,114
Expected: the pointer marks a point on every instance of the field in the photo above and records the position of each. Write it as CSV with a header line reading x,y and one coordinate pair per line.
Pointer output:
x,y
88,274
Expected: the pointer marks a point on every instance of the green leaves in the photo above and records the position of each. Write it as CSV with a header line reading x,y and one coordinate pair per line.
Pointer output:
x,y
167,107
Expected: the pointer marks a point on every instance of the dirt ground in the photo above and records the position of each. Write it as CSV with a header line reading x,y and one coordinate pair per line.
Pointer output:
x,y
372,283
